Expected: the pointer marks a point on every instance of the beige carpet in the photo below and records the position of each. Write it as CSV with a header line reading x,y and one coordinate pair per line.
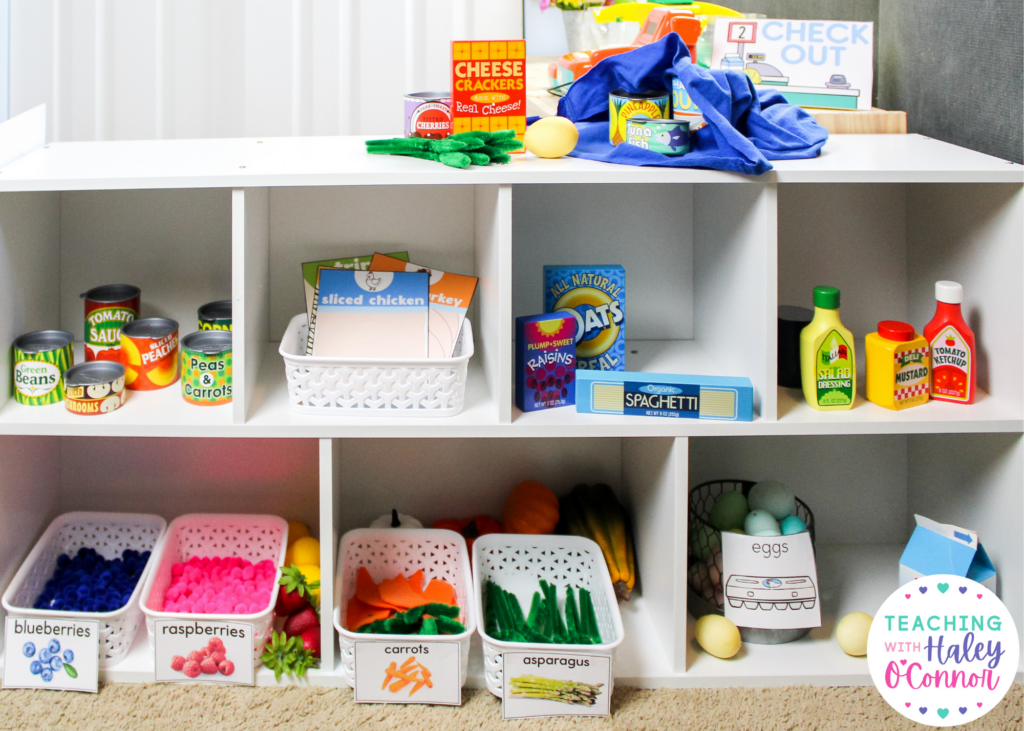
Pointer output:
x,y
190,708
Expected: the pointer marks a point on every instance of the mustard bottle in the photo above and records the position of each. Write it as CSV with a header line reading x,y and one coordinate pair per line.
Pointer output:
x,y
897,366
828,368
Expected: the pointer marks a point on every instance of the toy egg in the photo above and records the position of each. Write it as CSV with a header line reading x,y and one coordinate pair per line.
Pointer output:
x,y
703,541
773,496
852,633
768,533
551,137
729,510
718,636
396,520
760,520
792,524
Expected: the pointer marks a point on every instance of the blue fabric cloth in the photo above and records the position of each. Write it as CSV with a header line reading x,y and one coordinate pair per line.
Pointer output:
x,y
744,130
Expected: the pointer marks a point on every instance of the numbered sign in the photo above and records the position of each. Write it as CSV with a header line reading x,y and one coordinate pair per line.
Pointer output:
x,y
408,672
544,684
52,654
203,652
740,32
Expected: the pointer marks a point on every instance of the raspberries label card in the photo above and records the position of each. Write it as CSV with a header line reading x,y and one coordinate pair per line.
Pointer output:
x,y
203,652
51,654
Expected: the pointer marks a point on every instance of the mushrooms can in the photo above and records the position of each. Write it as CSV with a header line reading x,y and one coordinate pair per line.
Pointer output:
x,y
624,105
215,315
206,367
107,310
40,361
428,114
149,353
94,388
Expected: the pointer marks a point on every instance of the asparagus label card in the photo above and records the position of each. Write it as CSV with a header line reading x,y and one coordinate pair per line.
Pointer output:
x,y
54,654
770,582
408,672
541,684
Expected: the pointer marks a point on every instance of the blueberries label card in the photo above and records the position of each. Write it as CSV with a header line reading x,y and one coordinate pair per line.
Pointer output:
x,y
770,582
369,314
545,684
310,269
54,654
397,672
450,295
208,652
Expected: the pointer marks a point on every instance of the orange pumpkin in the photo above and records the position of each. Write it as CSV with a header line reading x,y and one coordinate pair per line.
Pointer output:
x,y
530,508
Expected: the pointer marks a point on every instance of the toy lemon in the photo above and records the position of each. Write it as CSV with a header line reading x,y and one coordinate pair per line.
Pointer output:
x,y
305,551
551,137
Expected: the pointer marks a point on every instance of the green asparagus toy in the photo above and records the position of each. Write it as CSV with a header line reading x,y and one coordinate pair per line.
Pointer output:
x,y
457,151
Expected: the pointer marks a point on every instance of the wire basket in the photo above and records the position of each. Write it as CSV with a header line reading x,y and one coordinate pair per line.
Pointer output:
x,y
429,387
109,534
705,593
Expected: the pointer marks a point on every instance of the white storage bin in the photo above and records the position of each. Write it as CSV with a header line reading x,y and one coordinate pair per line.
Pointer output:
x,y
517,563
386,552
374,386
110,534
254,538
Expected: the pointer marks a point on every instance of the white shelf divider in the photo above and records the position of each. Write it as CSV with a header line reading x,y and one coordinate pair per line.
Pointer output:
x,y
250,284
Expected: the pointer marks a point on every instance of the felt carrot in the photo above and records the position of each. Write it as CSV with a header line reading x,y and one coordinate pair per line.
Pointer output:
x,y
397,592
360,613
368,592
440,592
416,582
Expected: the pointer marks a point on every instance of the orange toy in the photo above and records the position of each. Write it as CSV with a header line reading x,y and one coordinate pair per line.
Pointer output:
x,y
373,601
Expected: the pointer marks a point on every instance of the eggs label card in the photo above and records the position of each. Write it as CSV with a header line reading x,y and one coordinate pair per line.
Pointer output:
x,y
51,654
546,684
401,672
207,652
943,650
770,582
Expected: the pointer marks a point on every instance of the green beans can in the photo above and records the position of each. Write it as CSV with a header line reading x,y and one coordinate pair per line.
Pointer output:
x,y
206,367
215,315
40,361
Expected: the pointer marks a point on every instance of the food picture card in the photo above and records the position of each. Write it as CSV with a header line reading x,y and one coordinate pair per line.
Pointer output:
x,y
311,268
450,295
369,314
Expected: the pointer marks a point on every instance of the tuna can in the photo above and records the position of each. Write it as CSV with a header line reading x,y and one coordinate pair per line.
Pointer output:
x,y
107,310
149,353
95,388
684,107
668,136
40,360
623,105
206,368
428,114
215,315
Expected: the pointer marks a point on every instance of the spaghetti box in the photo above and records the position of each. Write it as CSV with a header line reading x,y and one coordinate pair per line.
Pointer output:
x,y
664,394
936,548
545,361
489,86
596,296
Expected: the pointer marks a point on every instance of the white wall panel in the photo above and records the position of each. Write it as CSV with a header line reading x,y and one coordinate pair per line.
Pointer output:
x,y
154,69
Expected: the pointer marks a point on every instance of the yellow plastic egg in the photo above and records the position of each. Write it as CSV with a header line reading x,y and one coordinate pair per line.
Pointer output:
x,y
551,137
718,636
852,633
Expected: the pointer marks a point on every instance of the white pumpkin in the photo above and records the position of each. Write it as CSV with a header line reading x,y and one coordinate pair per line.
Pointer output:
x,y
396,520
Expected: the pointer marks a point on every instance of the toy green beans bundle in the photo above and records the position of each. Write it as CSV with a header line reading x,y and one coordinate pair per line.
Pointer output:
x,y
458,151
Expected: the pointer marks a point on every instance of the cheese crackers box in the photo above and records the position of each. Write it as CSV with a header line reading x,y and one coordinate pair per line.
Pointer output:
x,y
545,361
596,296
489,86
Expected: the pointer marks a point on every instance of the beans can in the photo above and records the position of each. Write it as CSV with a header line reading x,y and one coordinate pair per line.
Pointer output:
x,y
215,315
149,353
95,388
668,136
623,105
107,310
40,360
206,367
428,114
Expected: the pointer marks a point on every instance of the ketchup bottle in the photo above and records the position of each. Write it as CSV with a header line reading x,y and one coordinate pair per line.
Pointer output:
x,y
954,368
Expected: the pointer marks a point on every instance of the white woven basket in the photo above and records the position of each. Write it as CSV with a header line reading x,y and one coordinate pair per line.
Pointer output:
x,y
251,537
386,552
110,534
374,386
517,563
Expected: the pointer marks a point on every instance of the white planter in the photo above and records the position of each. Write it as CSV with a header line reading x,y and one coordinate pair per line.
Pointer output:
x,y
577,33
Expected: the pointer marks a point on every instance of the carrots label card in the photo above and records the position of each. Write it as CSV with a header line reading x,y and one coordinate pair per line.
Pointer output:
x,y
408,672
450,295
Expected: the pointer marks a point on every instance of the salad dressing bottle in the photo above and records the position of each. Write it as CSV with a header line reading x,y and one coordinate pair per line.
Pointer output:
x,y
828,368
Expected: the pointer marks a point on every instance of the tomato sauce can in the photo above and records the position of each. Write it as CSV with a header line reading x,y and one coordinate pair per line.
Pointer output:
x,y
428,114
215,315
149,353
107,310
206,367
95,388
40,360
